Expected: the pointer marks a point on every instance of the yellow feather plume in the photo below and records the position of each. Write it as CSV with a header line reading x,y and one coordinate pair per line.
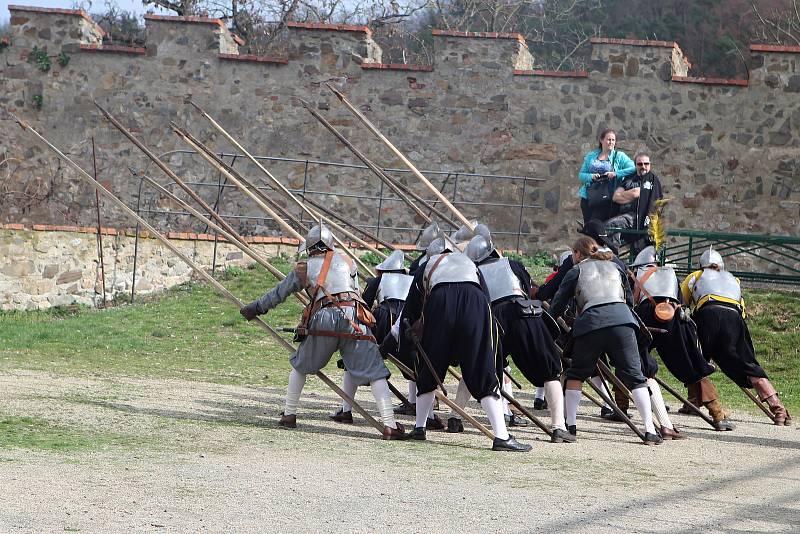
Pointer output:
x,y
658,230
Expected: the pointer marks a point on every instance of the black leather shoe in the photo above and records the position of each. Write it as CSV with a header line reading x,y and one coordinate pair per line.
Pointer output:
x,y
562,436
418,434
434,423
606,412
724,425
288,421
652,439
614,418
342,417
454,425
406,409
539,404
572,429
515,420
509,444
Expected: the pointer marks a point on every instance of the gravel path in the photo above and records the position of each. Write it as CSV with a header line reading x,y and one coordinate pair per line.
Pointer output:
x,y
197,457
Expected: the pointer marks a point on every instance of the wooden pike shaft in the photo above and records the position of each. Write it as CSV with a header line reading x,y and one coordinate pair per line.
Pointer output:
x,y
279,186
230,238
277,218
443,398
367,234
686,402
366,161
196,268
758,403
527,413
257,196
174,177
371,127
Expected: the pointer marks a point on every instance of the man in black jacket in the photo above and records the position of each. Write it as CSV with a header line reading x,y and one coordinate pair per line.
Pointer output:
x,y
633,202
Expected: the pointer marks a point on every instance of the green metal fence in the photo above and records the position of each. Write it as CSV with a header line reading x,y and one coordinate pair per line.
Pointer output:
x,y
777,257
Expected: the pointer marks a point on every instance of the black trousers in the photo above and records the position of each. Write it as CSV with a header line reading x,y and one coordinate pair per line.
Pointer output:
x,y
725,338
459,330
679,347
619,343
529,344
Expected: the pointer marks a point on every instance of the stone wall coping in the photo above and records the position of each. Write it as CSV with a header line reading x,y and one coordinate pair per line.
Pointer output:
x,y
59,11
553,73
397,66
479,35
775,48
633,42
188,20
710,81
117,49
180,236
328,27
255,59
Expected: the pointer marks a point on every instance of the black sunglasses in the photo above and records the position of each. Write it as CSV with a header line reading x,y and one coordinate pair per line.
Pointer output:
x,y
642,163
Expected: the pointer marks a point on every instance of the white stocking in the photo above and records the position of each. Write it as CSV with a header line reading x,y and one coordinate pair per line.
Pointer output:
x,y
424,406
555,403
494,411
348,386
462,396
572,398
383,400
657,401
293,391
641,398
412,392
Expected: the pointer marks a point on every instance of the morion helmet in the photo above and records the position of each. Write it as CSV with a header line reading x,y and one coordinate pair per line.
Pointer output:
x,y
711,257
392,263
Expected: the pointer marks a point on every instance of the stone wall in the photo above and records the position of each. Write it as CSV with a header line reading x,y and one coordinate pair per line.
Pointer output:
x,y
56,266
726,150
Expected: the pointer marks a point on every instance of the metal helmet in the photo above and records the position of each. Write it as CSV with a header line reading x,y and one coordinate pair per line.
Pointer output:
x,y
564,255
393,263
465,233
428,234
439,246
645,257
318,235
711,257
482,229
479,249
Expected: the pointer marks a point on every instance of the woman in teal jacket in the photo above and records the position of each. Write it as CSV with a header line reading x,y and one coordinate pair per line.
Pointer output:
x,y
606,164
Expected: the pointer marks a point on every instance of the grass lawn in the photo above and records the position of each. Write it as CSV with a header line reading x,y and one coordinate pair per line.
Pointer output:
x,y
191,333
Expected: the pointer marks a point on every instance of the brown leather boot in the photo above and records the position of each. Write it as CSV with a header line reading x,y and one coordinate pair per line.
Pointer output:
x,y
781,416
766,392
288,421
398,433
693,396
620,398
718,415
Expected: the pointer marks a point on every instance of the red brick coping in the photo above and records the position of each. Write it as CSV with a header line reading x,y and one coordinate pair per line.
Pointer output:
x,y
553,73
710,81
255,59
397,66
116,49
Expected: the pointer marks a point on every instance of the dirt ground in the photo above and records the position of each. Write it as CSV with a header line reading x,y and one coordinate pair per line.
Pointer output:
x,y
198,457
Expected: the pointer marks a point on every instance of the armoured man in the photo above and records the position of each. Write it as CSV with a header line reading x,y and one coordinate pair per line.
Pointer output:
x,y
449,309
604,325
658,303
336,319
719,311
524,335
428,234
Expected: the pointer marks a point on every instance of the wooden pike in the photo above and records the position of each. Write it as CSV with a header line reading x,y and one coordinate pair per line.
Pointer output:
x,y
269,211
230,238
527,413
396,187
686,402
279,186
758,403
446,400
196,268
371,127
252,191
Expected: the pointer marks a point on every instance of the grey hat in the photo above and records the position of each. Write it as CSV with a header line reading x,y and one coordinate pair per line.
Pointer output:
x,y
646,257
439,246
392,263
